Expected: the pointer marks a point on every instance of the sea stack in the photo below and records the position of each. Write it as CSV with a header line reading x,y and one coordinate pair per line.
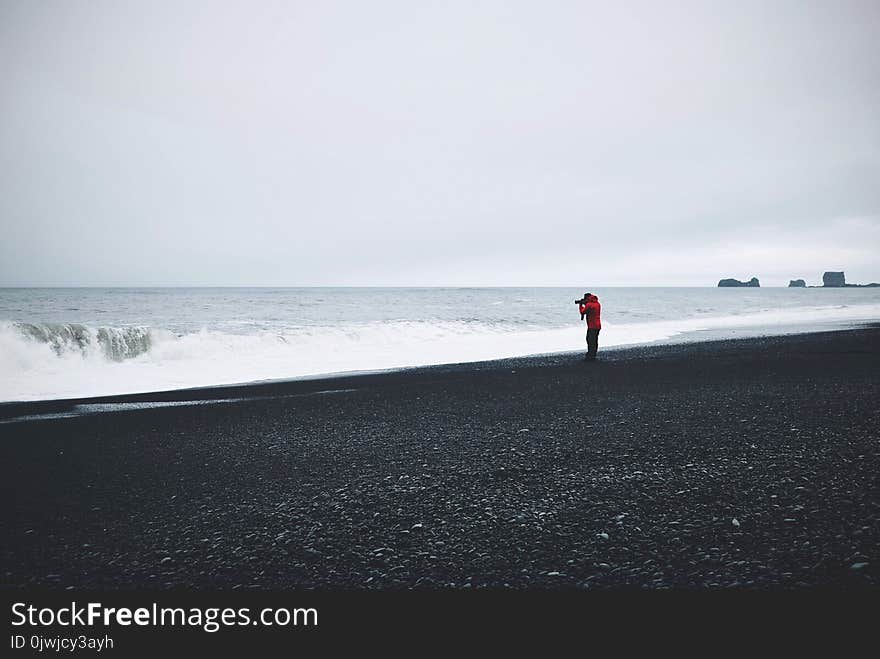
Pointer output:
x,y
797,283
833,280
735,283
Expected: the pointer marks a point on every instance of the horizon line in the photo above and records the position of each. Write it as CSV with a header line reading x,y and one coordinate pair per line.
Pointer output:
x,y
410,286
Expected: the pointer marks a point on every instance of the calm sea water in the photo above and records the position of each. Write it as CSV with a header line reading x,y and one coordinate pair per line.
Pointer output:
x,y
80,342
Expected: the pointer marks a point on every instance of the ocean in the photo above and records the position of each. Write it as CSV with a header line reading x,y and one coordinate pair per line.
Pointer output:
x,y
78,342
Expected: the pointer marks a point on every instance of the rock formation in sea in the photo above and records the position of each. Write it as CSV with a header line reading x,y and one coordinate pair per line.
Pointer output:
x,y
833,280
797,283
837,280
728,283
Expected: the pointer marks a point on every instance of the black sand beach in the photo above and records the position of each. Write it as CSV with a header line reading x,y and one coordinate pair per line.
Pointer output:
x,y
752,463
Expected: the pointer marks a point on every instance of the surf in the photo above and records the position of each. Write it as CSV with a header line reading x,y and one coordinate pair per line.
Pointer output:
x,y
53,360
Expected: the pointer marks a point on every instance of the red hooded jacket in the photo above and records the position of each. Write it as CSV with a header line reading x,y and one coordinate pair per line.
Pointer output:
x,y
594,313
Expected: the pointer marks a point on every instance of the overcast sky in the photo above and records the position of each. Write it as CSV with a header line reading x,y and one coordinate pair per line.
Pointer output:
x,y
449,143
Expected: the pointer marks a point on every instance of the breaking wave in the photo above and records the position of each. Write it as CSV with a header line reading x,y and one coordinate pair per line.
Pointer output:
x,y
114,343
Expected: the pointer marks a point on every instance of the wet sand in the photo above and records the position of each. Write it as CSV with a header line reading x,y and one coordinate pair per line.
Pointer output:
x,y
751,463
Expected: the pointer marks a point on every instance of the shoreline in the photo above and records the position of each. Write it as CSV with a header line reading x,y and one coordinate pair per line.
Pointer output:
x,y
48,360
749,464
304,385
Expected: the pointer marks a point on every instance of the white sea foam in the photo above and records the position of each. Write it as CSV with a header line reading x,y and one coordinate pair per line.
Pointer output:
x,y
60,361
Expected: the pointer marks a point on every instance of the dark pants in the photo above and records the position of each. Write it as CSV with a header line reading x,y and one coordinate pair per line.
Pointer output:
x,y
592,343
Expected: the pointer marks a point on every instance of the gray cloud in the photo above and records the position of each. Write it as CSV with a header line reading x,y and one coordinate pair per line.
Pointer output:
x,y
278,143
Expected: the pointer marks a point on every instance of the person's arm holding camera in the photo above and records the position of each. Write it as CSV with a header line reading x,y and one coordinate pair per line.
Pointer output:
x,y
582,305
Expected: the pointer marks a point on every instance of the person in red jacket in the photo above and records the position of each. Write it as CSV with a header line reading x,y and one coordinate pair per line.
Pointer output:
x,y
593,312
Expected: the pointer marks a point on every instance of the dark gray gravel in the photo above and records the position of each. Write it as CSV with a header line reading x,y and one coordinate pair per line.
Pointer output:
x,y
749,463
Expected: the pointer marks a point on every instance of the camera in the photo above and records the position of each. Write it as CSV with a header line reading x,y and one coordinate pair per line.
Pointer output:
x,y
583,300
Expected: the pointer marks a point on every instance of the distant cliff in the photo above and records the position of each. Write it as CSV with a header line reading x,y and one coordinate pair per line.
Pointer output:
x,y
833,280
838,280
735,283
797,283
